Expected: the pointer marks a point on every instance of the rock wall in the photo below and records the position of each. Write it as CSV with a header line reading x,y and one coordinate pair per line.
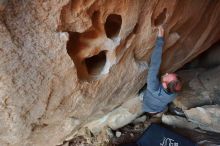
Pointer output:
x,y
64,63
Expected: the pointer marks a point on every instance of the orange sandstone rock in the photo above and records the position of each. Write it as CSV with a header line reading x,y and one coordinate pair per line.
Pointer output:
x,y
65,63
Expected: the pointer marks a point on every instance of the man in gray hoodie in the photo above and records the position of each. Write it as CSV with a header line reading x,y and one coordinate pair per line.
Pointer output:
x,y
159,92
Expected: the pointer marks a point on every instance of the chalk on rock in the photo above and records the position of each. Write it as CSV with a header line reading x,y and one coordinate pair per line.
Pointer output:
x,y
118,133
109,133
140,119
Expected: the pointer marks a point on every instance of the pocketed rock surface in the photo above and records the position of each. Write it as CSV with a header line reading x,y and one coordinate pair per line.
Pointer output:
x,y
66,63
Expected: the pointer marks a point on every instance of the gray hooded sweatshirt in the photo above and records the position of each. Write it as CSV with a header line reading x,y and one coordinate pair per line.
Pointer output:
x,y
156,97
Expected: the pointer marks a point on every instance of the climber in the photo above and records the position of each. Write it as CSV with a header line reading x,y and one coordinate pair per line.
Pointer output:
x,y
157,96
159,93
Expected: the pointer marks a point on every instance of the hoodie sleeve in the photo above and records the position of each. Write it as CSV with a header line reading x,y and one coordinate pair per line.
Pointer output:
x,y
152,78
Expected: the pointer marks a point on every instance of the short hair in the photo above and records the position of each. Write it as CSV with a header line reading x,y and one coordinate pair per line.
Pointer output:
x,y
175,85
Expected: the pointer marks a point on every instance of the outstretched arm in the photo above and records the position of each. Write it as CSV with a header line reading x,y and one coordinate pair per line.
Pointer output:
x,y
152,78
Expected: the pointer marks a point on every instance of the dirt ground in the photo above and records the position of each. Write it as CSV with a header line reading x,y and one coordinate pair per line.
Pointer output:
x,y
129,133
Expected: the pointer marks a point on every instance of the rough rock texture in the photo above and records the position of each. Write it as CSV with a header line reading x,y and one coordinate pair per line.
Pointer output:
x,y
119,117
201,88
206,117
208,59
64,63
177,121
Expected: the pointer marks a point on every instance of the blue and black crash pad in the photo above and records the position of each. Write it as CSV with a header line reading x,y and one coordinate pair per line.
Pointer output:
x,y
157,135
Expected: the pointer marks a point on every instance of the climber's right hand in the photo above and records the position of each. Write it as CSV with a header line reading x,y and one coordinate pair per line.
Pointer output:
x,y
160,31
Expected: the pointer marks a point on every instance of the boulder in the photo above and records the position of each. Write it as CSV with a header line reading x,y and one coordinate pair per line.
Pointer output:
x,y
206,117
177,121
66,63
119,117
201,87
